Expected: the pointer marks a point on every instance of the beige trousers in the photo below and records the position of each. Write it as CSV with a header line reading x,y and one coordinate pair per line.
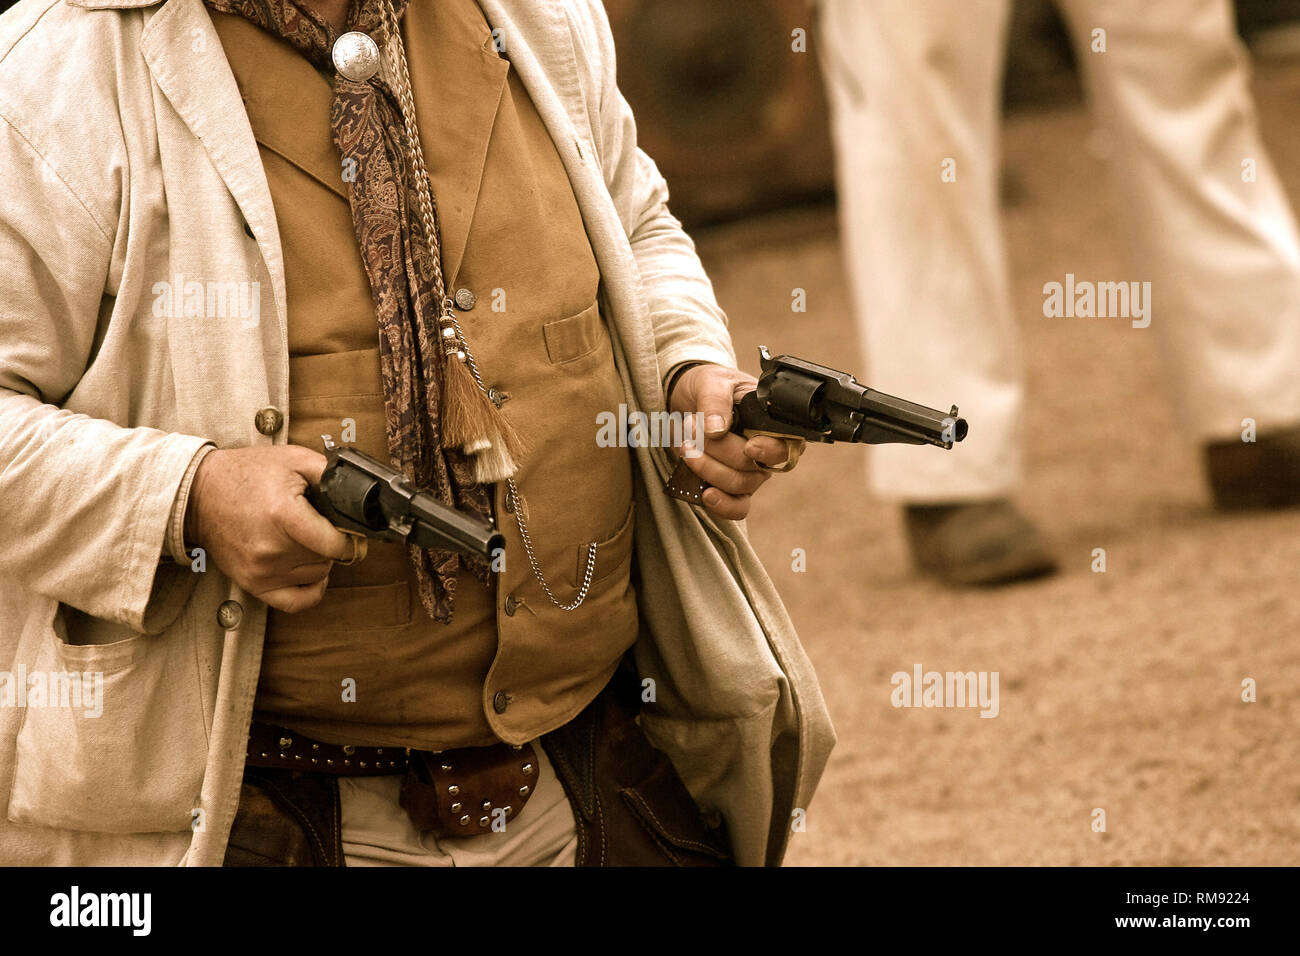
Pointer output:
x,y
377,831
916,82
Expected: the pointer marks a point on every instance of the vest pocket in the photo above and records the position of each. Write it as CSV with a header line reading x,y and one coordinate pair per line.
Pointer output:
x,y
574,337
365,608
611,553
119,742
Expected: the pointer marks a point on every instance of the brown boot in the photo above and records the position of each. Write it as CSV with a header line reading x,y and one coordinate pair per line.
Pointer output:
x,y
1258,474
980,543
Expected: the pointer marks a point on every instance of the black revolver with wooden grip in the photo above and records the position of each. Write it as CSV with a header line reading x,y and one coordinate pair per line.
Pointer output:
x,y
363,496
799,400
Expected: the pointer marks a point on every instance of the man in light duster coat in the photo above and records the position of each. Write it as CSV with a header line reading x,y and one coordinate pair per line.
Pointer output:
x,y
126,157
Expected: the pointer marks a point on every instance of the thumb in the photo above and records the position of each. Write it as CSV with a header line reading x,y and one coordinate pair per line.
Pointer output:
x,y
715,401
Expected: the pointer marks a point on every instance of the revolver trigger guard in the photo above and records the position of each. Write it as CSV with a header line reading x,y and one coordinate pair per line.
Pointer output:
x,y
793,449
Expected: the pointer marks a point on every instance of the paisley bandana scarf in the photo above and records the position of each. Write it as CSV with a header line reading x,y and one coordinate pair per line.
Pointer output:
x,y
444,433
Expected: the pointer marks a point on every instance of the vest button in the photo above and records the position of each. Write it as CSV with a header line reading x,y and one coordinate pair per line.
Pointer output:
x,y
511,606
465,299
268,420
230,614
500,702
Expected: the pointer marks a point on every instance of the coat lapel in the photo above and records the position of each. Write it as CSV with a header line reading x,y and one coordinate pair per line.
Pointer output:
x,y
181,48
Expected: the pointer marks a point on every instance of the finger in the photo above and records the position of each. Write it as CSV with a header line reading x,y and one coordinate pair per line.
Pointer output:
x,y
730,450
301,575
770,451
721,505
725,478
294,599
714,400
305,525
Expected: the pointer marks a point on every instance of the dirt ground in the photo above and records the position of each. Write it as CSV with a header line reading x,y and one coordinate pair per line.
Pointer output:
x,y
1119,691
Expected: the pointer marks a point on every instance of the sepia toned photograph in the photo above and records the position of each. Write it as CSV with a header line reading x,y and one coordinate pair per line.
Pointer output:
x,y
806,434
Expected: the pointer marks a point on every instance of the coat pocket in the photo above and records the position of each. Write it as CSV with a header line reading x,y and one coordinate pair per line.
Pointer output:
x,y
113,738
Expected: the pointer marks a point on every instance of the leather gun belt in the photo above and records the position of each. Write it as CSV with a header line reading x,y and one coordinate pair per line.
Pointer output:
x,y
451,792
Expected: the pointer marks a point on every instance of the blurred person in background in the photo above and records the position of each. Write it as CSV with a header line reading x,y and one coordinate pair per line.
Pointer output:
x,y
914,89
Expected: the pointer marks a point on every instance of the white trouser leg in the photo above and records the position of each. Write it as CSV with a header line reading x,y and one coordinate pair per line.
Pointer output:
x,y
913,84
1221,253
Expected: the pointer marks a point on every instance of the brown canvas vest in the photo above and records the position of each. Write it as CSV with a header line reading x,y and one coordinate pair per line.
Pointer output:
x,y
367,665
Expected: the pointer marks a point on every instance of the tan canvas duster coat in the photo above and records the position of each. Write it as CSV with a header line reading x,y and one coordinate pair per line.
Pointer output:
x,y
126,160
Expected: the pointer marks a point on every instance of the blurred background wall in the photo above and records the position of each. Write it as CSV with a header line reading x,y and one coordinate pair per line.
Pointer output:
x,y
738,124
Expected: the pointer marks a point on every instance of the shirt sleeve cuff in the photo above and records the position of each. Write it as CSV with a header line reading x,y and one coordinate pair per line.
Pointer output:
x,y
174,544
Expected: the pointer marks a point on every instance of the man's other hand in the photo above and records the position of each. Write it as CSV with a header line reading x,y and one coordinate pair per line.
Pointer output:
x,y
247,510
728,461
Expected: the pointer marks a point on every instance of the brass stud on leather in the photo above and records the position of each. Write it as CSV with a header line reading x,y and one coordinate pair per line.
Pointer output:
x,y
524,791
527,768
286,743
487,805
363,765
349,750
453,790
446,768
507,810
328,762
315,746
456,807
464,821
483,821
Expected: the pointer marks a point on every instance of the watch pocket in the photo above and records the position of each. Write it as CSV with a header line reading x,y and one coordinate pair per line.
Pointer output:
x,y
574,337
612,553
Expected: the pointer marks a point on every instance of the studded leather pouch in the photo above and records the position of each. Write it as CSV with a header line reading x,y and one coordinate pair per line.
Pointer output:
x,y
468,791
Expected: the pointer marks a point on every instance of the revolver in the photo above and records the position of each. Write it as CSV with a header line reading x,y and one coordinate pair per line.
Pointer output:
x,y
363,496
799,400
